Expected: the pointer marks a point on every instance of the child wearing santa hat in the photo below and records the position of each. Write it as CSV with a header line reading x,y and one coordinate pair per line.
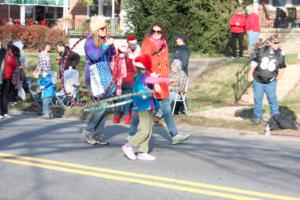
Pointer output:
x,y
144,105
119,71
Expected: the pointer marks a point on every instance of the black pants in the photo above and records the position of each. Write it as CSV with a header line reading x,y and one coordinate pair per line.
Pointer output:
x,y
5,90
234,38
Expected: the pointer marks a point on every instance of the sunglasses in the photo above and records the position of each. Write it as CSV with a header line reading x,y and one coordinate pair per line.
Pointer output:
x,y
156,31
275,42
102,28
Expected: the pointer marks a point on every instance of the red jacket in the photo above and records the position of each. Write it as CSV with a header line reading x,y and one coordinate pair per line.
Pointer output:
x,y
160,65
130,71
10,64
237,23
252,23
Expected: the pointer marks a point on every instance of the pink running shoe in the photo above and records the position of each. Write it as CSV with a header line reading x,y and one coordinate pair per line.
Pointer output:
x,y
128,151
145,156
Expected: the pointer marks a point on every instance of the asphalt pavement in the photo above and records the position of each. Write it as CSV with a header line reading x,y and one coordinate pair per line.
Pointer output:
x,y
48,159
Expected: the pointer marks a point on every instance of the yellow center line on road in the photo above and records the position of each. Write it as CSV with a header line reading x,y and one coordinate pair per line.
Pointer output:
x,y
11,158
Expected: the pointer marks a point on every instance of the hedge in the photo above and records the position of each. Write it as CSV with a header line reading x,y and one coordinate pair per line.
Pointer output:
x,y
33,36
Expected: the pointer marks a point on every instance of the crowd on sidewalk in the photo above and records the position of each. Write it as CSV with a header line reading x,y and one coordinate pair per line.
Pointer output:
x,y
143,70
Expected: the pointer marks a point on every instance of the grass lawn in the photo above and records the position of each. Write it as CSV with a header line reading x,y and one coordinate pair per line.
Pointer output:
x,y
212,89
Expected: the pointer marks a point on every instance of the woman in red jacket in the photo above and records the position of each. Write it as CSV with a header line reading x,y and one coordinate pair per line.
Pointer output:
x,y
237,25
156,46
10,64
252,28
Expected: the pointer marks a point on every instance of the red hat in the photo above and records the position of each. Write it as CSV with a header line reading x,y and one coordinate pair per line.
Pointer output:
x,y
131,39
143,62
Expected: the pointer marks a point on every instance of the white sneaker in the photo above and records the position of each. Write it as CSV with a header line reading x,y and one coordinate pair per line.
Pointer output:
x,y
1,117
7,116
128,151
179,138
145,156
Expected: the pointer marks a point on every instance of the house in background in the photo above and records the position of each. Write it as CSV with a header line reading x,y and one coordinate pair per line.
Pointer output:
x,y
33,10
67,14
279,13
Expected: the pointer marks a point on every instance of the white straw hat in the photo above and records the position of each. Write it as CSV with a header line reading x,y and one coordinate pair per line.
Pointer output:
x,y
97,22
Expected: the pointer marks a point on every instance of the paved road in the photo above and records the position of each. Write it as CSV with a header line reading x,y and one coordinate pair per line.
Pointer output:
x,y
211,165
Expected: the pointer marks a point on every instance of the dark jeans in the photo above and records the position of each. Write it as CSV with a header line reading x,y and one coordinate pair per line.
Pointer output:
x,y
5,90
96,122
127,107
237,37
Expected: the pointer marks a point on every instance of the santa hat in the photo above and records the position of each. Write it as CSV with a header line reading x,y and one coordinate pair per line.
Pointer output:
x,y
131,39
143,62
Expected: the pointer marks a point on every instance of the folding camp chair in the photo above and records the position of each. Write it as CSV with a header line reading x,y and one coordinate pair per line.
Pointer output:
x,y
71,84
181,97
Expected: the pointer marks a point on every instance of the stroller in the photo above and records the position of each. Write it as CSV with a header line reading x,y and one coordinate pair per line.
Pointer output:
x,y
33,89
71,84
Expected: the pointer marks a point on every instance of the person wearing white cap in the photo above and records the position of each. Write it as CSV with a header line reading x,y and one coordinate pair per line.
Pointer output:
x,y
22,58
98,47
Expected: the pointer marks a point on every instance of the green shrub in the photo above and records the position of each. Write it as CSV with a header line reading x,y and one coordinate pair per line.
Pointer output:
x,y
204,22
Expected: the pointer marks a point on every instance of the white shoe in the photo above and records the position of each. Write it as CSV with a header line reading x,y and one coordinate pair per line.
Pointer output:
x,y
145,156
1,117
179,138
128,151
7,116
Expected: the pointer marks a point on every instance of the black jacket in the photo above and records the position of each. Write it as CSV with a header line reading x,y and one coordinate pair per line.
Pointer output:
x,y
2,55
73,59
182,53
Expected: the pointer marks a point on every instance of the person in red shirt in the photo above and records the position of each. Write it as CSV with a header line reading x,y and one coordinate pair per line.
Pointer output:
x,y
155,45
10,64
252,28
237,25
132,51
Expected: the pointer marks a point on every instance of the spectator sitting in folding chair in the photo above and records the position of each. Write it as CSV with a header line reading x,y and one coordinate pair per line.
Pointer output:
x,y
71,85
178,85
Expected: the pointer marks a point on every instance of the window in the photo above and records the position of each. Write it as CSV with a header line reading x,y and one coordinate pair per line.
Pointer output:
x,y
28,12
296,2
106,8
279,3
49,12
282,3
59,12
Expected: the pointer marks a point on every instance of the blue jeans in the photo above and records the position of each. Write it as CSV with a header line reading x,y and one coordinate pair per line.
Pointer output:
x,y
96,122
172,96
127,107
253,38
259,89
46,107
167,115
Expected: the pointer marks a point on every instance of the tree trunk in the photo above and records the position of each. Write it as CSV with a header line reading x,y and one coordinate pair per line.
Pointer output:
x,y
100,7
